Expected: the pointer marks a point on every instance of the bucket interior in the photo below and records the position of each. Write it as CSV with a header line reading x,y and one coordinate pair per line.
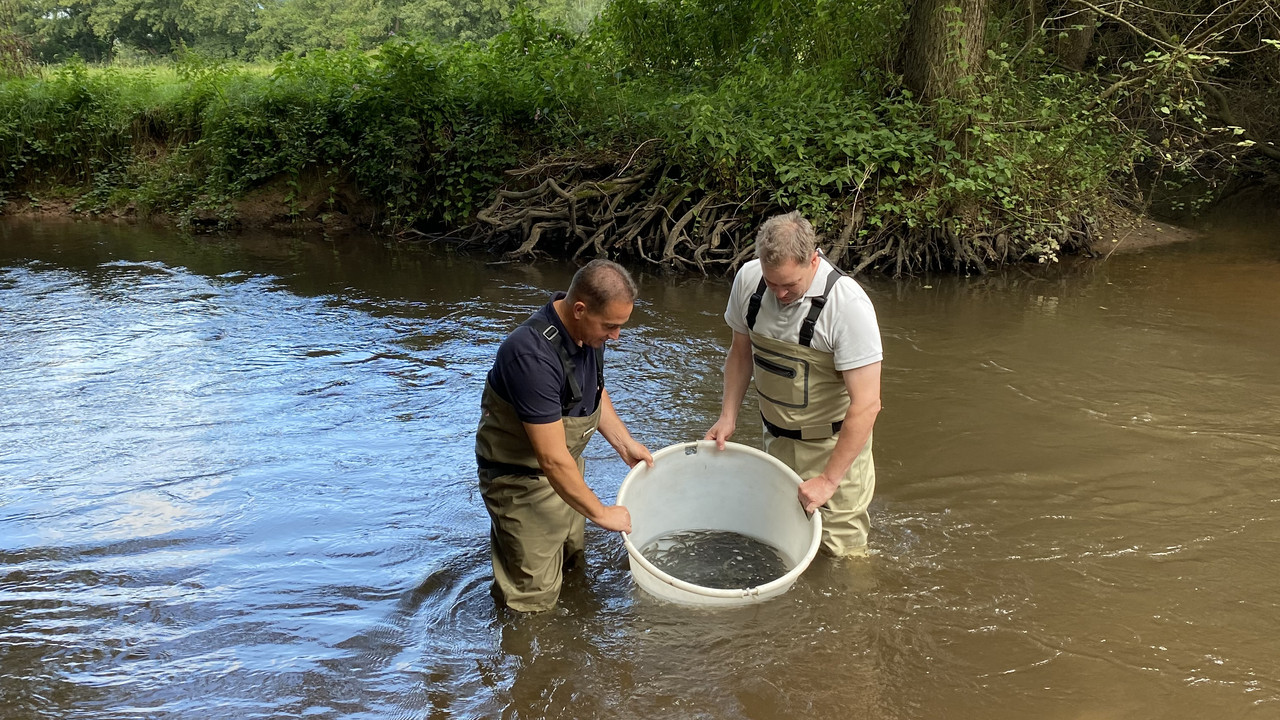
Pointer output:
x,y
695,486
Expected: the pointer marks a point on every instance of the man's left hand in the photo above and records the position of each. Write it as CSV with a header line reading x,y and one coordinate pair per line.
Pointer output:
x,y
815,491
633,452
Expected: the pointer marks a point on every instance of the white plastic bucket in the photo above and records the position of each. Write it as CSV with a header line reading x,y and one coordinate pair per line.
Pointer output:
x,y
694,486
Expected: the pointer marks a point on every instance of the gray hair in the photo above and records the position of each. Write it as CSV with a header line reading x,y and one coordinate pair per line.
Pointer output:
x,y
785,237
601,282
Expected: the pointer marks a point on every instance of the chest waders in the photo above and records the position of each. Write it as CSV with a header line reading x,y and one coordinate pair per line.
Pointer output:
x,y
803,401
533,533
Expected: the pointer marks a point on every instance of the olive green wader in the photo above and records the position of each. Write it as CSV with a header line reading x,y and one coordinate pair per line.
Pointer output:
x,y
803,401
533,533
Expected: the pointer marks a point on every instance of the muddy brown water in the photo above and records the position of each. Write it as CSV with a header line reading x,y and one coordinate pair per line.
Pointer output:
x,y
236,481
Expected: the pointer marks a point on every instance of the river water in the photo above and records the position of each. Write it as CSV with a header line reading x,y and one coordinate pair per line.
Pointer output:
x,y
237,481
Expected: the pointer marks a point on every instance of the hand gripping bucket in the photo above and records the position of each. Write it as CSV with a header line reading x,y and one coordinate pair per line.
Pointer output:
x,y
694,486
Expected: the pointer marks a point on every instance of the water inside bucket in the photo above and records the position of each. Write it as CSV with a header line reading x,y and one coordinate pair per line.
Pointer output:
x,y
716,559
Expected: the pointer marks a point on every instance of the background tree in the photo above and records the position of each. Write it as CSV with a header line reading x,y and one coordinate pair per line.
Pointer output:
x,y
447,20
99,30
1078,23
299,25
943,44
159,27
57,30
15,50
1198,79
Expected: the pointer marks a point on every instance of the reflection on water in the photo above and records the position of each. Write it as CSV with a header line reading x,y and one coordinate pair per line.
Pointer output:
x,y
236,481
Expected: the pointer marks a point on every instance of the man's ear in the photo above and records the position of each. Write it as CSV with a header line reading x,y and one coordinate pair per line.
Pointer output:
x,y
579,310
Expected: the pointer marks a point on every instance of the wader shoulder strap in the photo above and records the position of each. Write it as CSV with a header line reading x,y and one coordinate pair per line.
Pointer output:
x,y
599,374
753,307
815,307
573,389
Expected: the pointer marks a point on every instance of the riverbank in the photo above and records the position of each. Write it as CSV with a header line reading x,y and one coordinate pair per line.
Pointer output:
x,y
1126,232
272,209
278,206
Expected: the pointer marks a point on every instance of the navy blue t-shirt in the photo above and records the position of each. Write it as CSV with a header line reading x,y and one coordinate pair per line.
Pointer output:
x,y
528,372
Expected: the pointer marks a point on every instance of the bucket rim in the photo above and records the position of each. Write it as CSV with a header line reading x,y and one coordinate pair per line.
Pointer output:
x,y
776,585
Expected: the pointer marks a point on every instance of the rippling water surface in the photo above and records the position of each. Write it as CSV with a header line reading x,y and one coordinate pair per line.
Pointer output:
x,y
236,481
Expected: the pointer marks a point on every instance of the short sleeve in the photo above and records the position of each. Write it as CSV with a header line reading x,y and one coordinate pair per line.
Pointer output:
x,y
854,330
533,380
744,285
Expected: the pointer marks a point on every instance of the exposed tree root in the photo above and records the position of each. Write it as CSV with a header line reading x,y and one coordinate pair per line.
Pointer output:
x,y
649,213
645,214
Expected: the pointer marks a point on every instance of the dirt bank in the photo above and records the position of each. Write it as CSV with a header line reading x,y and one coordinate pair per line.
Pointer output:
x,y
310,205
1125,232
280,208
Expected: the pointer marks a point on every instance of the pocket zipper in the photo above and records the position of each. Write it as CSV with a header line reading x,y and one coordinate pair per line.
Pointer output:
x,y
774,367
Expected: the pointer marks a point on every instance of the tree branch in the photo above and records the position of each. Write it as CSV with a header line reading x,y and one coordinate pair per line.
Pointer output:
x,y
1137,30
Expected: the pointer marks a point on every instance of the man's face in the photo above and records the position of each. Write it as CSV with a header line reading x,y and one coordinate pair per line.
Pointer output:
x,y
602,324
790,279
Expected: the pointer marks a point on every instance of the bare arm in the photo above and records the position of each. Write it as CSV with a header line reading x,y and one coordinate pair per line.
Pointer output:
x,y
737,378
863,385
616,433
562,471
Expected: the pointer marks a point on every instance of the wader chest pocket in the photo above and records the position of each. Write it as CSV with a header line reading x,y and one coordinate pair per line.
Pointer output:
x,y
782,380
775,368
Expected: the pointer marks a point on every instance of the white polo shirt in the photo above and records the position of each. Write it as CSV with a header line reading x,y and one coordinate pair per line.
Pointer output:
x,y
847,327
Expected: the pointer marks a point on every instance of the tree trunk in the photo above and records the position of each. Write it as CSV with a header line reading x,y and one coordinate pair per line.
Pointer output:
x,y
1079,26
1031,22
943,44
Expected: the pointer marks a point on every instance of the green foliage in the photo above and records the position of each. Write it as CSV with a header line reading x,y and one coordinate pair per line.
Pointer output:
x,y
14,55
67,126
389,123
799,140
705,38
136,30
424,131
789,106
56,30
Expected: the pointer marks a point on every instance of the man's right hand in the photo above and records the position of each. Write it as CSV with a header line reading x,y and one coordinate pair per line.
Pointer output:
x,y
721,432
614,517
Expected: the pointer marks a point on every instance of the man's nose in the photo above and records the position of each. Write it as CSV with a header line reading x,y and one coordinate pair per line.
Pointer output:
x,y
615,333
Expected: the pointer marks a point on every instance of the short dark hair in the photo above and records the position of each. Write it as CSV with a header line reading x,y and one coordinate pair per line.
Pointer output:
x,y
601,282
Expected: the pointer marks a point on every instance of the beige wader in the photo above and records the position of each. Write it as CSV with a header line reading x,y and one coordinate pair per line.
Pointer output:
x,y
803,398
534,534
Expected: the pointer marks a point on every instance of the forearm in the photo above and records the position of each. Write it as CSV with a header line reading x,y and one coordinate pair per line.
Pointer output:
x,y
561,469
562,472
612,427
863,386
854,434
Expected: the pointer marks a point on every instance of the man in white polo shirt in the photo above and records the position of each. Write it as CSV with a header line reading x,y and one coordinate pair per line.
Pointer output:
x,y
808,335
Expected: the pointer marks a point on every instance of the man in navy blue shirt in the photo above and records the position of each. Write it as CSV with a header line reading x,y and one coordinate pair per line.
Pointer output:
x,y
543,400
